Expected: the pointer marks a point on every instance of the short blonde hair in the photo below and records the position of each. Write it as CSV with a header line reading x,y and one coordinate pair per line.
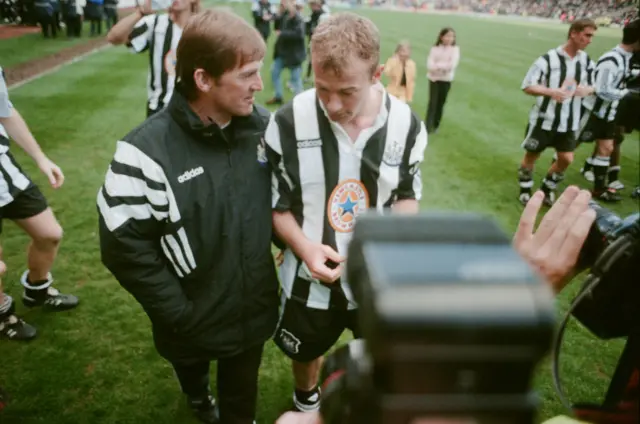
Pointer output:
x,y
342,36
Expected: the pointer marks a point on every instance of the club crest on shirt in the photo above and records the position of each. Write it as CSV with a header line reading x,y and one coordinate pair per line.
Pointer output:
x,y
393,152
347,201
170,62
262,152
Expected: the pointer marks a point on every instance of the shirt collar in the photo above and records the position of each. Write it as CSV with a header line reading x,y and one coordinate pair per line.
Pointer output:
x,y
623,51
383,113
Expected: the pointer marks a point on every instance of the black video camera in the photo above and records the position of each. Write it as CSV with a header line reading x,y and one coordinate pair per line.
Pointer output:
x,y
607,303
454,323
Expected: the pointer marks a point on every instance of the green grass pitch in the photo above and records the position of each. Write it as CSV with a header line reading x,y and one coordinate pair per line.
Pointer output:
x,y
97,364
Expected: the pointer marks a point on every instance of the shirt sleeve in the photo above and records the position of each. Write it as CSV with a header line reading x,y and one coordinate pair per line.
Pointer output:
x,y
591,68
281,183
133,205
140,36
537,74
605,76
410,185
5,104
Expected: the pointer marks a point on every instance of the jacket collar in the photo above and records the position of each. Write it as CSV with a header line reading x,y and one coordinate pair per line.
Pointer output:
x,y
242,126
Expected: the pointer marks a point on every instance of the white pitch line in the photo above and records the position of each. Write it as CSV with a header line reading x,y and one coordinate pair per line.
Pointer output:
x,y
58,67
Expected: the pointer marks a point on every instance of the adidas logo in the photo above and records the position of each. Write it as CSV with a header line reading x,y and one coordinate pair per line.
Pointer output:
x,y
190,174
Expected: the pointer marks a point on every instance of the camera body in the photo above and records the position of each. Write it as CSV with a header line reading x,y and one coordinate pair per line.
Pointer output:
x,y
454,323
609,309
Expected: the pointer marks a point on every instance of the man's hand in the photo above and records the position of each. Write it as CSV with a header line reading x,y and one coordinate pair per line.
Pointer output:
x,y
52,171
300,418
553,250
280,258
559,94
316,255
583,91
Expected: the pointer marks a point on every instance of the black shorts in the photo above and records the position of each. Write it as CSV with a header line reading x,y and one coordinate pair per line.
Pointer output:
x,y
304,333
628,115
26,204
593,128
537,140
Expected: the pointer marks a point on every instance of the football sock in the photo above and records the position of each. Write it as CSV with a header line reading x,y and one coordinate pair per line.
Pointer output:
x,y
600,167
5,305
588,164
613,173
525,178
309,397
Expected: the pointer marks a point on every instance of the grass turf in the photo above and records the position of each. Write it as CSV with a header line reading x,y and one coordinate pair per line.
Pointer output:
x,y
18,50
97,364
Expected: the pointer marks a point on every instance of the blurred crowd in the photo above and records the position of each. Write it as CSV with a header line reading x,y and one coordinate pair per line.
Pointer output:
x,y
611,11
55,15
607,11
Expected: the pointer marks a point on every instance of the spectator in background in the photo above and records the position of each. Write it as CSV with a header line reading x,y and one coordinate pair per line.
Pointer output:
x,y
289,52
111,12
262,17
401,71
319,12
73,17
146,30
441,66
94,13
44,14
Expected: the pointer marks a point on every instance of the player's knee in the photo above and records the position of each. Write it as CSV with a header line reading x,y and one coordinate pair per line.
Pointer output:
x,y
605,148
565,159
50,238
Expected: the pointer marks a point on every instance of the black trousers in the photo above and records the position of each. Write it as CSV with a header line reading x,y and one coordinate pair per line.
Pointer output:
x,y
237,384
74,25
438,91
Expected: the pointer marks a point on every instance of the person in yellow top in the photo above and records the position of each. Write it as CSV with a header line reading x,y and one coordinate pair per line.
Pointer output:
x,y
400,70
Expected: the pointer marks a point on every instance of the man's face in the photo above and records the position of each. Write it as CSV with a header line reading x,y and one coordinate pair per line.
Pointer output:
x,y
234,91
583,38
344,96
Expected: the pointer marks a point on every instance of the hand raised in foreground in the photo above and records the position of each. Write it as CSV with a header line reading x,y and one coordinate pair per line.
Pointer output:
x,y
554,248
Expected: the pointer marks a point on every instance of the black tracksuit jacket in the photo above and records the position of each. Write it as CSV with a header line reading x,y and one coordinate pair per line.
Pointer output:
x,y
185,227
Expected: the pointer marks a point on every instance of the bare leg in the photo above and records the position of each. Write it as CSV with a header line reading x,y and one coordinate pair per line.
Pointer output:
x,y
306,375
46,234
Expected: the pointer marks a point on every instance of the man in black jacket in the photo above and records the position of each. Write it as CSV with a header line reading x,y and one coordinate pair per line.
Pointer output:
x,y
185,218
289,51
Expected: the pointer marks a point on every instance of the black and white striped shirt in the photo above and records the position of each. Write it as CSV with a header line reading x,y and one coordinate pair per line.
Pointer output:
x,y
159,35
556,69
611,74
325,180
12,179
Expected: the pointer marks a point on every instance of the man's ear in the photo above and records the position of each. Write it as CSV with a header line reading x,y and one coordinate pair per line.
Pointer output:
x,y
377,74
203,81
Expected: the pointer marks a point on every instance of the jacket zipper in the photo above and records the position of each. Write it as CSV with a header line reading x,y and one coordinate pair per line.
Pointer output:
x,y
241,248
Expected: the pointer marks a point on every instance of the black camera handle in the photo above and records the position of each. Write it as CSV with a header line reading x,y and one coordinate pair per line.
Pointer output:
x,y
605,262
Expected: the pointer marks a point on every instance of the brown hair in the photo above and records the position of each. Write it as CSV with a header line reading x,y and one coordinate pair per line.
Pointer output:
x,y
580,25
341,37
216,40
